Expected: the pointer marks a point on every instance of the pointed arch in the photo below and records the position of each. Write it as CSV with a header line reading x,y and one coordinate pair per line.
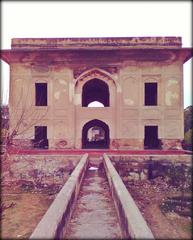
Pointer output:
x,y
101,140
95,73
95,90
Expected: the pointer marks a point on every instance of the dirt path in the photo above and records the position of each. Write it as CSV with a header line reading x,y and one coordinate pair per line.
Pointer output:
x,y
20,220
94,216
160,225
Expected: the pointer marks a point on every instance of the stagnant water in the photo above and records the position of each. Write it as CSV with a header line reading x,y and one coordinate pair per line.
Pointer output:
x,y
94,216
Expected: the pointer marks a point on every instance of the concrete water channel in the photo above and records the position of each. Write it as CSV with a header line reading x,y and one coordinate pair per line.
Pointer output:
x,y
93,204
95,215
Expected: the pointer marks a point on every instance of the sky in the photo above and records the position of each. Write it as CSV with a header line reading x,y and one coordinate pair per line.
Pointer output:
x,y
96,19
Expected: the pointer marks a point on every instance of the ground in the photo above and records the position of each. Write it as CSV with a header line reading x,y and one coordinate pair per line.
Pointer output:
x,y
149,196
25,208
25,211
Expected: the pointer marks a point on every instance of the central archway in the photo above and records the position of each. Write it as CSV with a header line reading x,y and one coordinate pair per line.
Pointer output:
x,y
95,135
95,90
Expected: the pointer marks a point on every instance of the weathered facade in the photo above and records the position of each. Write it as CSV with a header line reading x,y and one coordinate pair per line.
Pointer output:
x,y
139,81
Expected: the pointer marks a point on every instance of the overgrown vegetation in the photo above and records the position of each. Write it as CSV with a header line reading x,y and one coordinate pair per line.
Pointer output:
x,y
179,205
163,196
188,123
164,176
180,177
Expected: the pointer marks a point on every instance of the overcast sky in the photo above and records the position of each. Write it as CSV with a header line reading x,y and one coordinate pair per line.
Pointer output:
x,y
97,19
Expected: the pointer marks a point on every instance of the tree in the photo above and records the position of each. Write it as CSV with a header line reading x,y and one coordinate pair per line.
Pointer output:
x,y
22,120
188,122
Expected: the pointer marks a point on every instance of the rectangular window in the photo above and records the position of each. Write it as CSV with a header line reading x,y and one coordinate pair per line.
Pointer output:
x,y
41,94
150,94
41,140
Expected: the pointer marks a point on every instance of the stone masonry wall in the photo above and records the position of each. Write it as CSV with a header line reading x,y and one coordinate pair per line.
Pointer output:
x,y
39,169
146,167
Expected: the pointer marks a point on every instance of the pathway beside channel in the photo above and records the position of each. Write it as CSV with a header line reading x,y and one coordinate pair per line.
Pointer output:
x,y
94,216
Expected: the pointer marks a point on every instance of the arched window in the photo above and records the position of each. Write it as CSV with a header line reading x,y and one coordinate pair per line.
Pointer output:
x,y
95,90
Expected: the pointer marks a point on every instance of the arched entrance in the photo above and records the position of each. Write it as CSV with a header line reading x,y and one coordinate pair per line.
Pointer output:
x,y
95,135
95,90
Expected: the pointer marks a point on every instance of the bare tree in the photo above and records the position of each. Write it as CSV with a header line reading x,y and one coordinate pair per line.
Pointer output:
x,y
23,118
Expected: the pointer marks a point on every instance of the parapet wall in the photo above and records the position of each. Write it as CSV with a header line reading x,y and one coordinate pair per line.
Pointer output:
x,y
129,215
52,225
67,43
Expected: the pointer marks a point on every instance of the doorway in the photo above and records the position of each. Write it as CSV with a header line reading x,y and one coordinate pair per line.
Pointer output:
x,y
151,137
95,135
41,140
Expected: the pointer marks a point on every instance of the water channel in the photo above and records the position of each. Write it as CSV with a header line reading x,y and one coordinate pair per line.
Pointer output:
x,y
94,216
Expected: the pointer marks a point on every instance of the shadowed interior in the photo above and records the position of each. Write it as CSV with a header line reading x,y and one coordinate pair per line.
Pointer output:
x,y
99,135
95,90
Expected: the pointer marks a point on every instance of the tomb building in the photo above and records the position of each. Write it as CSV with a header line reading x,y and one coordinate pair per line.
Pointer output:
x,y
136,81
